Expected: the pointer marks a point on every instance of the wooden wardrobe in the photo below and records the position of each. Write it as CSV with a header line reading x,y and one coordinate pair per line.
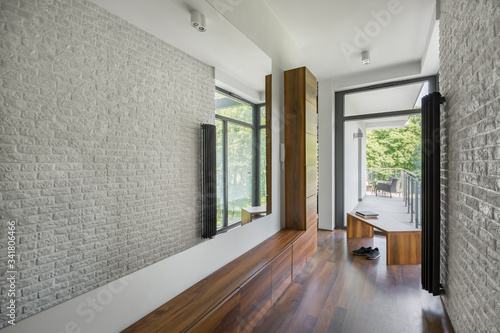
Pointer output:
x,y
300,149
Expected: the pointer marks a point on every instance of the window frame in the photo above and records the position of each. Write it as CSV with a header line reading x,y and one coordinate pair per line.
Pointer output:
x,y
341,119
256,128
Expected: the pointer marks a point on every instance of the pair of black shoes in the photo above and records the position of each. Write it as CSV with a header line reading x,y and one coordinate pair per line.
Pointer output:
x,y
368,252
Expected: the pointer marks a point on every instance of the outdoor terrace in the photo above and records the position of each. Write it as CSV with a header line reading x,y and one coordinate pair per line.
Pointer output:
x,y
388,208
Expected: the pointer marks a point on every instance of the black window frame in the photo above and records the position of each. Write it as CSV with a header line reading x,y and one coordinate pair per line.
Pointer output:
x,y
256,128
341,119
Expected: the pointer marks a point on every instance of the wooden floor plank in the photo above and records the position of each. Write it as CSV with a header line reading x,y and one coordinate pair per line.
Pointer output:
x,y
339,292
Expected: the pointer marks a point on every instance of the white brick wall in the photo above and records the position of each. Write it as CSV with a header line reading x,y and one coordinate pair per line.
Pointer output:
x,y
99,137
470,81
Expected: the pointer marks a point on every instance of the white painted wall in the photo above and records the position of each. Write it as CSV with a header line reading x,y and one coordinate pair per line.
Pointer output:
x,y
326,152
268,33
351,164
363,161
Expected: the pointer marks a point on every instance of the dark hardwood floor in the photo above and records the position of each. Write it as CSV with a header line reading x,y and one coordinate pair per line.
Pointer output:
x,y
339,292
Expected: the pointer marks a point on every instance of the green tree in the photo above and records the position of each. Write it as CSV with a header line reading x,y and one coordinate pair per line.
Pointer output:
x,y
240,152
395,148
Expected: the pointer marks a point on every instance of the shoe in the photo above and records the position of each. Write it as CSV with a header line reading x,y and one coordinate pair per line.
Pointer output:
x,y
374,254
363,251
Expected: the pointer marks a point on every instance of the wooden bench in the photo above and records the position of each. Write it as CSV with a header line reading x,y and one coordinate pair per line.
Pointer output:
x,y
235,297
248,212
403,241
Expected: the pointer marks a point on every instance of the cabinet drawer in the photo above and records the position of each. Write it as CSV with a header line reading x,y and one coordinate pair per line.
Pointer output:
x,y
282,273
312,241
223,318
299,256
256,298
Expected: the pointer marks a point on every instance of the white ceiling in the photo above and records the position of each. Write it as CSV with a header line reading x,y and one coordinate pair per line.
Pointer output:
x,y
332,34
385,123
239,63
402,44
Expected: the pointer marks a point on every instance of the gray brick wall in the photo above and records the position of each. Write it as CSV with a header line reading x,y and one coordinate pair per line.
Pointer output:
x,y
470,81
99,137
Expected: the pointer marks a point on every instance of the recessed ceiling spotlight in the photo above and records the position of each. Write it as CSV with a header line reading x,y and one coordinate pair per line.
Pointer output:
x,y
365,58
198,21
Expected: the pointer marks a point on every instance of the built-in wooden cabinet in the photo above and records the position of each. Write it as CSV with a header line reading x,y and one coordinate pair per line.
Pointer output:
x,y
303,250
236,297
282,273
223,318
300,149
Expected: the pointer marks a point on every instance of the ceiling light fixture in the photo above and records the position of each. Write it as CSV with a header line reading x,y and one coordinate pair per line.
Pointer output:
x,y
198,21
365,58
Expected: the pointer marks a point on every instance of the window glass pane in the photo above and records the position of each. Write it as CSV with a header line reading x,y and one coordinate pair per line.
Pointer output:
x,y
239,153
263,186
232,108
220,173
262,115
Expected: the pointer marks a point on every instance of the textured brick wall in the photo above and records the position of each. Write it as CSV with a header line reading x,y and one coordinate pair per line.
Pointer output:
x,y
99,149
469,79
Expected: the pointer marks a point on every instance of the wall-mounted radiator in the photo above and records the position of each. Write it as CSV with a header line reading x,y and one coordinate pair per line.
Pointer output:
x,y
431,193
208,181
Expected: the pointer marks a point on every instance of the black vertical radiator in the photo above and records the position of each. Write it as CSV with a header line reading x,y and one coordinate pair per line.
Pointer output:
x,y
431,193
208,181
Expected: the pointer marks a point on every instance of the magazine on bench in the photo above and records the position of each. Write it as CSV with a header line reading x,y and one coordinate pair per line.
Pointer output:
x,y
367,214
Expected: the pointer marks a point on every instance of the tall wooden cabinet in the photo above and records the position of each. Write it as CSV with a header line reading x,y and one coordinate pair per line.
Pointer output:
x,y
300,149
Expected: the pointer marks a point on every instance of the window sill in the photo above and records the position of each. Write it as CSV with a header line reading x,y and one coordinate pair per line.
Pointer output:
x,y
230,228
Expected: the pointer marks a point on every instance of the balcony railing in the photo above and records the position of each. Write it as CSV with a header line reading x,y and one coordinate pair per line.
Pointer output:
x,y
410,189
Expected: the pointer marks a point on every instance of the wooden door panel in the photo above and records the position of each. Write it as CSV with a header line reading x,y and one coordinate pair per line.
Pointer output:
x,y
311,118
311,210
311,187
311,149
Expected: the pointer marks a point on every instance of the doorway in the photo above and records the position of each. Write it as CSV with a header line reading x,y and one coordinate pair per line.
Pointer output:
x,y
358,111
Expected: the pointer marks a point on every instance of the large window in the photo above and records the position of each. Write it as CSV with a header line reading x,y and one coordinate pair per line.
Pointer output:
x,y
387,116
241,157
263,162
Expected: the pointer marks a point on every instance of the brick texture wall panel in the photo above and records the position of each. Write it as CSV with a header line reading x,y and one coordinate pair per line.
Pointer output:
x,y
99,135
470,177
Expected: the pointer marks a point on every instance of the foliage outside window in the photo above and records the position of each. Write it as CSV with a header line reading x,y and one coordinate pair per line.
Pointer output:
x,y
239,176
263,168
233,108
395,148
240,152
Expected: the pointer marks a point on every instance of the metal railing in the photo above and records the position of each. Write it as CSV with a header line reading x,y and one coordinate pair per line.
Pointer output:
x,y
410,189
412,197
